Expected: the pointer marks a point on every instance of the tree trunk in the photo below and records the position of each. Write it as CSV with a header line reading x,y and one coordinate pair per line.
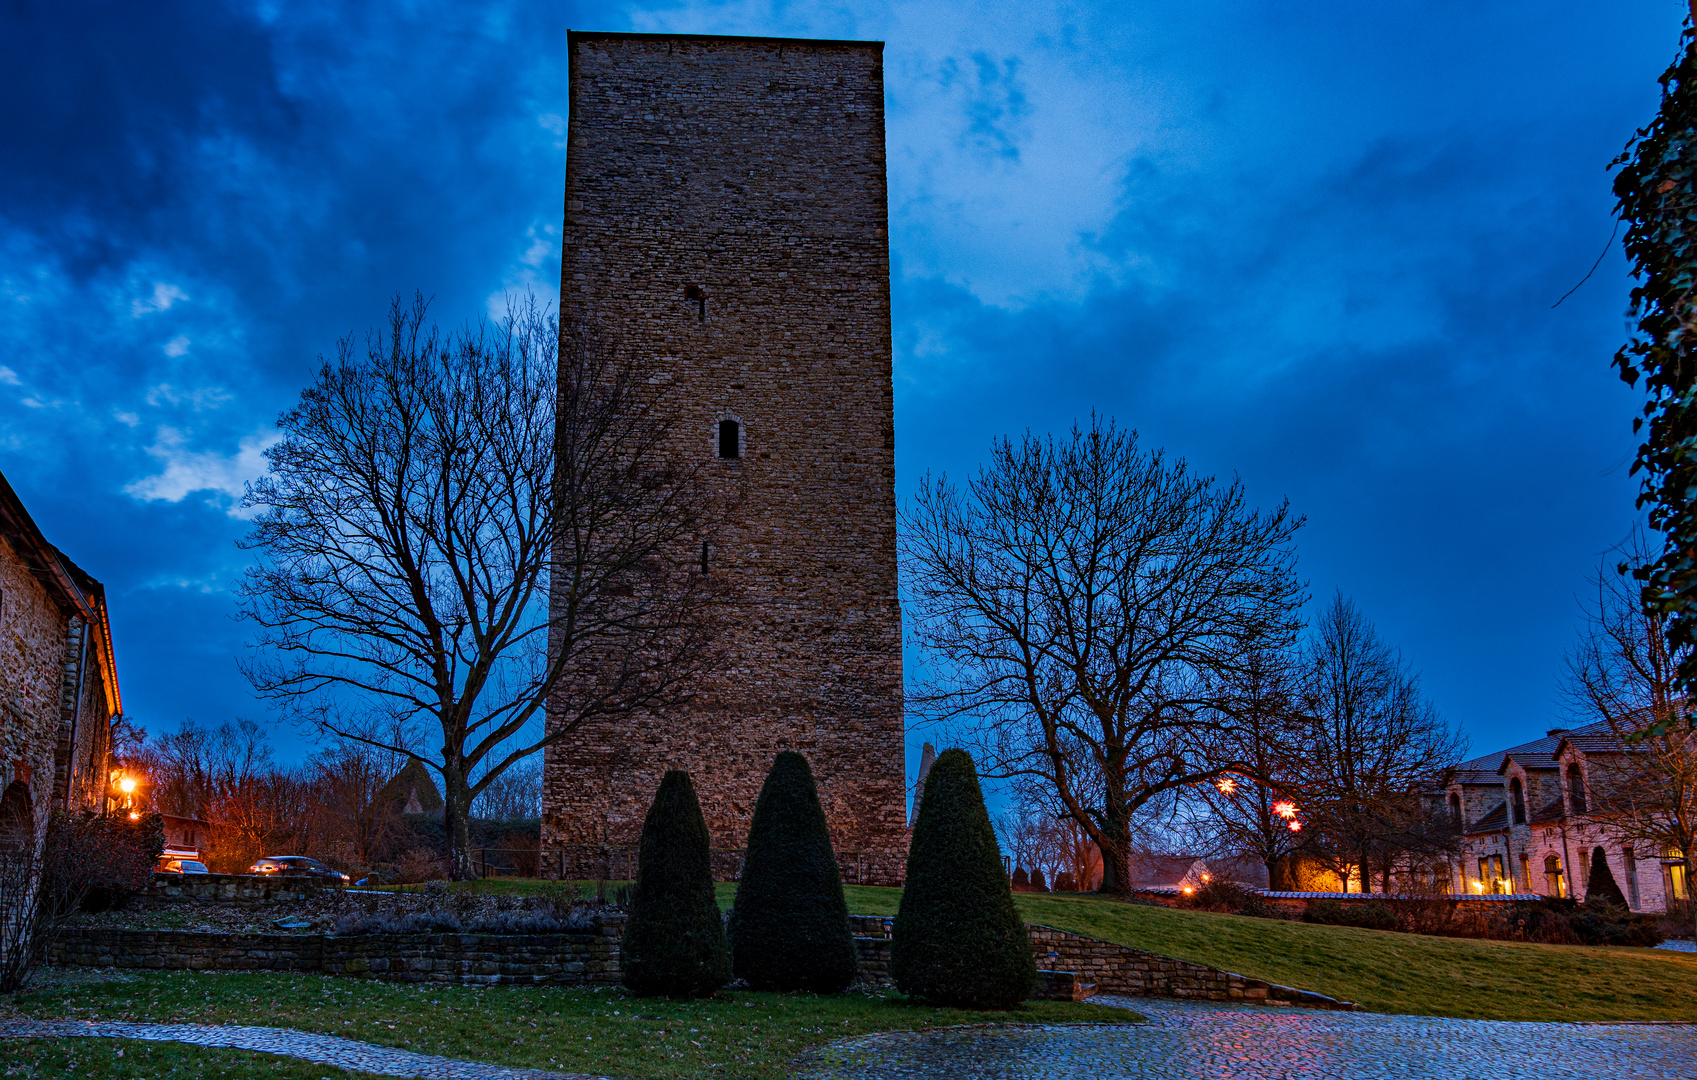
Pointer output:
x,y
456,819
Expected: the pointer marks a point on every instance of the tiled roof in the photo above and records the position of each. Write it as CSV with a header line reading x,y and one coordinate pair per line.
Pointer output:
x,y
1605,743
1496,819
1529,762
1486,769
1552,812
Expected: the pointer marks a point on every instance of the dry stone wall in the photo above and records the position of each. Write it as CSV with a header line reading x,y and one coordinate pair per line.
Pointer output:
x,y
586,958
726,221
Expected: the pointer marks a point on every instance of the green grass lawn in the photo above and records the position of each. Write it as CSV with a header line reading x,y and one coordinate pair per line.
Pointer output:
x,y
607,1031
128,1059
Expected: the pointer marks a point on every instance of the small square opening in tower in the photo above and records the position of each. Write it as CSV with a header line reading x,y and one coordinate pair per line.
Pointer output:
x,y
730,439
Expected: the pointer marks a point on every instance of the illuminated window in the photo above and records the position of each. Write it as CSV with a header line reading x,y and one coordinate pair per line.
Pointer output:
x,y
1552,871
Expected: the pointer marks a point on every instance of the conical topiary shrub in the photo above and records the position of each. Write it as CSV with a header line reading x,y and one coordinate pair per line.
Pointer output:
x,y
1021,879
674,943
957,938
789,927
1601,886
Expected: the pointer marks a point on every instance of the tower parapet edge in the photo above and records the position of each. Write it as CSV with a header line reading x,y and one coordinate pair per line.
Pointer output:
x,y
726,217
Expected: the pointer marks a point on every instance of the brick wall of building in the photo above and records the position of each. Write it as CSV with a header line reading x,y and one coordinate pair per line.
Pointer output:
x,y
751,170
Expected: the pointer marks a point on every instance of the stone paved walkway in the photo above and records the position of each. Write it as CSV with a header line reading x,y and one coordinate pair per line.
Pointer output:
x,y
1192,1041
322,1049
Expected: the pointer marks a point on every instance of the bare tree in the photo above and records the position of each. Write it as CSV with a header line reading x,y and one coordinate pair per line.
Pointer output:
x,y
1624,671
1240,812
1081,603
515,794
454,529
1372,746
346,780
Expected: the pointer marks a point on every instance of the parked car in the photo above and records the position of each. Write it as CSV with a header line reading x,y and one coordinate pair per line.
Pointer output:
x,y
296,866
171,865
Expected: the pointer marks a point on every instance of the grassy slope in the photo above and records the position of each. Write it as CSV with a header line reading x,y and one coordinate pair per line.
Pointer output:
x,y
743,1035
1386,972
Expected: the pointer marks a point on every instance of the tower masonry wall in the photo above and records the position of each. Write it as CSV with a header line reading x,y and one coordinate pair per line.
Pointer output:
x,y
726,218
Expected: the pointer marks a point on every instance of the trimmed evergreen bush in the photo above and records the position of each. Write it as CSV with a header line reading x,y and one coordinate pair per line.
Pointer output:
x,y
674,943
958,939
1601,887
789,927
1021,879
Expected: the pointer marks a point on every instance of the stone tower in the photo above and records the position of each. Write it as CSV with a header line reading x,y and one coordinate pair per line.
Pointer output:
x,y
726,217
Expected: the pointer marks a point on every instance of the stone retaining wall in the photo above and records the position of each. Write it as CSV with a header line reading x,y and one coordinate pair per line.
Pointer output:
x,y
587,958
1071,963
1068,963
233,888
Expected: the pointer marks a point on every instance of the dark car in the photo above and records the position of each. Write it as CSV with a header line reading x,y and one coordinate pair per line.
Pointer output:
x,y
172,865
296,866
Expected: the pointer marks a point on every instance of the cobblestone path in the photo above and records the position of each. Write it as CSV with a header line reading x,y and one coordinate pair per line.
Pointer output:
x,y
1186,1041
322,1049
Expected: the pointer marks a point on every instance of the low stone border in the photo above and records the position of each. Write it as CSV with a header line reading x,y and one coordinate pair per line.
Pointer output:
x,y
233,888
285,1042
585,958
1072,967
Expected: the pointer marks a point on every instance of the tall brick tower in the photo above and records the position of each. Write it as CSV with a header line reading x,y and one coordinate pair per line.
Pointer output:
x,y
726,217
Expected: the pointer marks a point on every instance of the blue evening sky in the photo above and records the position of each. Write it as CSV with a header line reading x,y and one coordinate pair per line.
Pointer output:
x,y
1315,244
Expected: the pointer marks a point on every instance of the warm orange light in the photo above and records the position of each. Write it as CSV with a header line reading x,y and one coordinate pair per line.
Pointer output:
x,y
127,785
1285,808
1226,785
1188,890
1296,826
1207,877
135,815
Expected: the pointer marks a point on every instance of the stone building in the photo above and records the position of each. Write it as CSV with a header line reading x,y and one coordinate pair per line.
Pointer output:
x,y
726,217
1530,823
58,683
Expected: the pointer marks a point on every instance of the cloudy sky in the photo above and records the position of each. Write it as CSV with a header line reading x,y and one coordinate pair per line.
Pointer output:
x,y
1313,244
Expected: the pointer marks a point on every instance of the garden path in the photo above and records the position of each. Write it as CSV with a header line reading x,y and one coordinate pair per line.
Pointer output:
x,y
322,1049
1192,1041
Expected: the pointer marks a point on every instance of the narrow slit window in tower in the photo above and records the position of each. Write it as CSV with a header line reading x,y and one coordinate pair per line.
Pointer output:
x,y
730,439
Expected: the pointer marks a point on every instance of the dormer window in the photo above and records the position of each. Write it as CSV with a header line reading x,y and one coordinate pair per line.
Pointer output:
x,y
730,439
1517,800
1576,787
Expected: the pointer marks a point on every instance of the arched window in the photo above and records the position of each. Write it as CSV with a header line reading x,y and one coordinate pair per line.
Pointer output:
x,y
1517,800
1552,871
1455,812
730,439
1576,787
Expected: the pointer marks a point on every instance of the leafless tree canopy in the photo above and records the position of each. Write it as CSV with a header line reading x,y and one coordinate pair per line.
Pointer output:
x,y
1623,672
1081,603
455,527
1235,815
1372,747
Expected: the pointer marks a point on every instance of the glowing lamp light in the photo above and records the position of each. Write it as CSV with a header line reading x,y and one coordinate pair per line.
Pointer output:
x,y
135,815
1285,808
1188,890
1207,878
127,785
1296,826
1226,785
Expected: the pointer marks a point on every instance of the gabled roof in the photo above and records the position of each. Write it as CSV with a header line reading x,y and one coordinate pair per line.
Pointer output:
x,y
1552,812
1528,761
1488,769
1605,742
68,583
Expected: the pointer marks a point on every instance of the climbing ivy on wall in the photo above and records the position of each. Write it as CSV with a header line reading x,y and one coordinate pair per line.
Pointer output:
x,y
1657,189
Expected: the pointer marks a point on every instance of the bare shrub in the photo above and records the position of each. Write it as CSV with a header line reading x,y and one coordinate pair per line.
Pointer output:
x,y
420,864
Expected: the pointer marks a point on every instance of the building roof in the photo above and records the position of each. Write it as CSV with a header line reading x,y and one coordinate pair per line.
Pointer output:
x,y
1552,812
65,581
1488,768
1496,819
